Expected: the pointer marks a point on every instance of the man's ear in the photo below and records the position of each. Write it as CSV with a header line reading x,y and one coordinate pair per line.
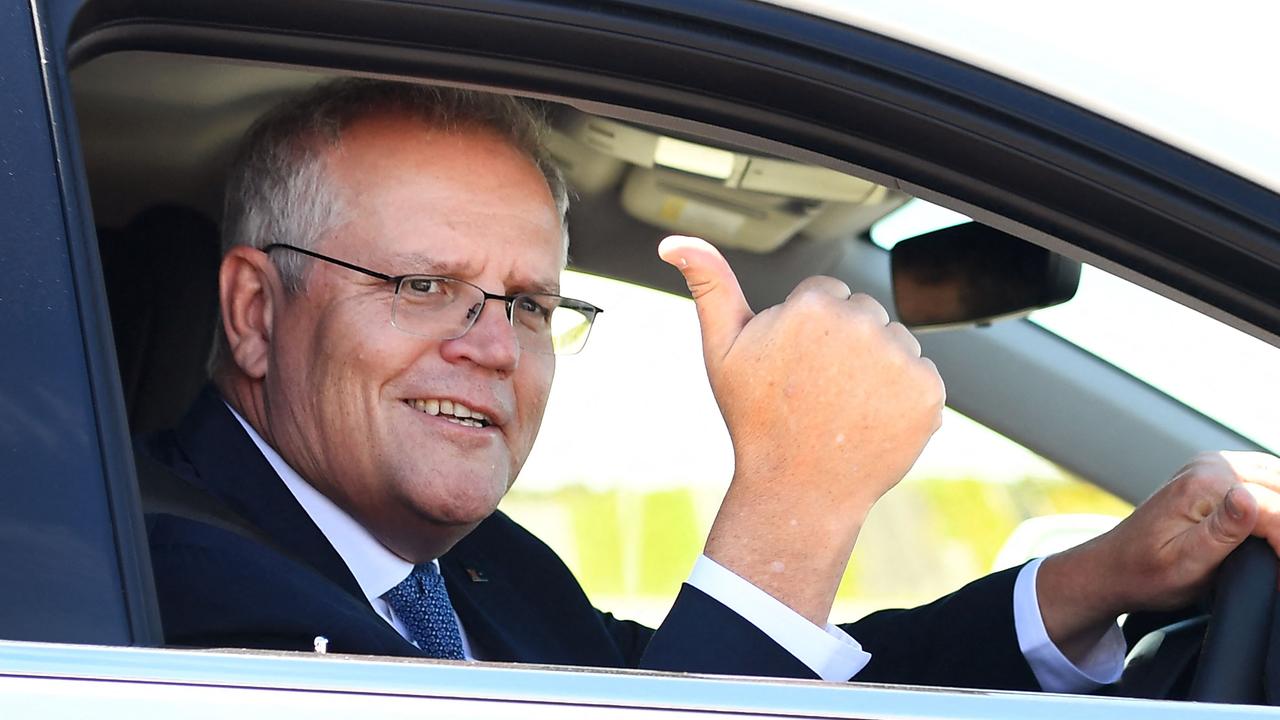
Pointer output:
x,y
246,281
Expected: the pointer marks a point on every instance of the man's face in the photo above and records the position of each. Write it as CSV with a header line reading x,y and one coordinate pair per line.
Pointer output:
x,y
344,390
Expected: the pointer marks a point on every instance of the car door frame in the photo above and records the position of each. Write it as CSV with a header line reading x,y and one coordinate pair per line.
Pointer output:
x,y
850,99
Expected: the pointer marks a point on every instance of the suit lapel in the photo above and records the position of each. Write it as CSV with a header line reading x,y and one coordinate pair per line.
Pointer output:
x,y
484,610
231,467
513,607
489,608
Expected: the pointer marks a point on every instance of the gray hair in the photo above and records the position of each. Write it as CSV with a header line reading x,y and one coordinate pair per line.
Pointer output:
x,y
279,191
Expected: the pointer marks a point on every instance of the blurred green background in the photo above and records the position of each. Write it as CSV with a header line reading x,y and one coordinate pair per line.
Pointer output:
x,y
632,549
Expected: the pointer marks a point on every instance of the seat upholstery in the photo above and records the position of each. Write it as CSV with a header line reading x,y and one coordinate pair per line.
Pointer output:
x,y
162,285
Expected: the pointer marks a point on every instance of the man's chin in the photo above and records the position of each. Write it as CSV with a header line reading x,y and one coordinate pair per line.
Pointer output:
x,y
460,518
467,505
433,535
444,510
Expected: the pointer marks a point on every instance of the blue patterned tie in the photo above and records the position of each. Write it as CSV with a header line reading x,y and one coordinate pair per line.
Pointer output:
x,y
421,603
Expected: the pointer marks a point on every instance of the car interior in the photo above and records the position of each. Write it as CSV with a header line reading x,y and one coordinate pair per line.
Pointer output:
x,y
158,129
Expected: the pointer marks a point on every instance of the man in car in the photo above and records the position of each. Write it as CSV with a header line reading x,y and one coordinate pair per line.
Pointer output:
x,y
390,320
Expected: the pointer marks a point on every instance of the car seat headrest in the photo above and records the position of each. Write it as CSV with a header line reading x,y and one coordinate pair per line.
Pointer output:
x,y
161,274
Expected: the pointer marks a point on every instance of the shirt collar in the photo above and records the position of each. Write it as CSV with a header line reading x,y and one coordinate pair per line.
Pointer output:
x,y
376,569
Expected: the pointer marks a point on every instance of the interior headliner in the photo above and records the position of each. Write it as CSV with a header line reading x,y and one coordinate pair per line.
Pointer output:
x,y
161,128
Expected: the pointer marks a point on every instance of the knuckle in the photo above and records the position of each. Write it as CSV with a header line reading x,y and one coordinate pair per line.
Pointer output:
x,y
767,315
1198,493
807,296
822,284
1205,459
866,304
1191,485
905,338
834,286
939,393
930,382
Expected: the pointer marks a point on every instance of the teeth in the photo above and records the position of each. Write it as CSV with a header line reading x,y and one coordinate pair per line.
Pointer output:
x,y
430,407
454,412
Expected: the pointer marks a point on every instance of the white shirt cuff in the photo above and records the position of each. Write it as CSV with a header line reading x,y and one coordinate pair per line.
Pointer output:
x,y
829,652
1055,673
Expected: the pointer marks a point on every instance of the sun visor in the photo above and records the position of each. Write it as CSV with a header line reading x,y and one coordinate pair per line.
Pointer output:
x,y
588,171
783,177
690,205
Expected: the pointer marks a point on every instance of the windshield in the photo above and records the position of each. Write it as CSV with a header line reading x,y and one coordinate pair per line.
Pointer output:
x,y
1212,367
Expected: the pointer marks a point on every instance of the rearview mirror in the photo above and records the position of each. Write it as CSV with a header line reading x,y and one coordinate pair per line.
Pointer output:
x,y
973,274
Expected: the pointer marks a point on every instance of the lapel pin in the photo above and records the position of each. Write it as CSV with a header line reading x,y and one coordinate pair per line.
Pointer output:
x,y
476,576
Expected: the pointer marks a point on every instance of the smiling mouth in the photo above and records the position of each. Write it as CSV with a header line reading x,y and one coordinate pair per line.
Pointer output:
x,y
454,412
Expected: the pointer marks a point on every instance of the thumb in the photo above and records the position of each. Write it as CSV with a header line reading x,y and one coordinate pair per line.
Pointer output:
x,y
1230,522
722,309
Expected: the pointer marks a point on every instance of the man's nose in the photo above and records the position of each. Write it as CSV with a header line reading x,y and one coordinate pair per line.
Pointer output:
x,y
490,342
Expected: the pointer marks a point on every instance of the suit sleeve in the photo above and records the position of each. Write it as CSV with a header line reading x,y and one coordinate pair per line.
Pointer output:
x,y
701,635
965,639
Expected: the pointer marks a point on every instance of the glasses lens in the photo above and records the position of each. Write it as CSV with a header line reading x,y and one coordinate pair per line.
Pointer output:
x,y
545,324
444,308
569,330
435,307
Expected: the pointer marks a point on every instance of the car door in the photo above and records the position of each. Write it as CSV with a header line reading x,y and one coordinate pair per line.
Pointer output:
x,y
783,82
69,562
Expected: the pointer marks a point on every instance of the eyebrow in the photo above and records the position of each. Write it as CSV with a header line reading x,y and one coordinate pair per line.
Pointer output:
x,y
421,264
427,265
538,288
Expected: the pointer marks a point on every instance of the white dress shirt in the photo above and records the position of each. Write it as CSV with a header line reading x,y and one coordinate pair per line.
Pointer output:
x,y
828,651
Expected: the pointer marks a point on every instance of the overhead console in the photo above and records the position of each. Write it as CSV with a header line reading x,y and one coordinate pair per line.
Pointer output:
x,y
736,200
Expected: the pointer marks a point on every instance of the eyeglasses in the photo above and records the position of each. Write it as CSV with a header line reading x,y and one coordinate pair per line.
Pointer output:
x,y
445,308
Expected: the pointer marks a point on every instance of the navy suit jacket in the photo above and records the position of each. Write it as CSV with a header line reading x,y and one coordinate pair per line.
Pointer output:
x,y
516,599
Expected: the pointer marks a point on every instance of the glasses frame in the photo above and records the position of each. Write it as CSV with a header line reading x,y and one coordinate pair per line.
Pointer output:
x,y
587,309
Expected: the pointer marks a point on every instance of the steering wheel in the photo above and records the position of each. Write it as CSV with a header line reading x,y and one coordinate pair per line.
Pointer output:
x,y
1233,662
1218,657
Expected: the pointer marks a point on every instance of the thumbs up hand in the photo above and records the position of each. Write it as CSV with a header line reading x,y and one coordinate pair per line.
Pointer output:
x,y
828,404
